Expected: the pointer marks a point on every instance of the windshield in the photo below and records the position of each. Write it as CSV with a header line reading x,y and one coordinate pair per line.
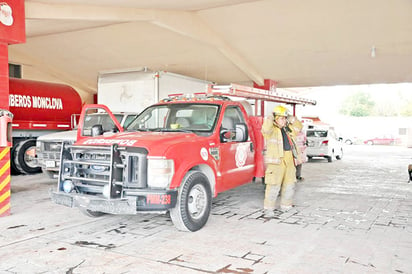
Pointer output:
x,y
317,133
176,117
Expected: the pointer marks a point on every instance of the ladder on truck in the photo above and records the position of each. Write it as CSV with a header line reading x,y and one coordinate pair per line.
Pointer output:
x,y
259,95
262,96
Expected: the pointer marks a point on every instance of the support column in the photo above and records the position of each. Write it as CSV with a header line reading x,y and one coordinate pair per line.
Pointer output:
x,y
4,151
12,31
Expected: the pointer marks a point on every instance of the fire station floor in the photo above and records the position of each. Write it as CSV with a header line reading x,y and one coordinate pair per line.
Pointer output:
x,y
351,216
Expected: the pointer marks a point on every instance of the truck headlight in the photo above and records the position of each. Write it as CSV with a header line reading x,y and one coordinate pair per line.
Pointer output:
x,y
68,186
160,172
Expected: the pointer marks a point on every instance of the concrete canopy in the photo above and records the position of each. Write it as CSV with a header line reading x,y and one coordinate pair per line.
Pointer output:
x,y
297,43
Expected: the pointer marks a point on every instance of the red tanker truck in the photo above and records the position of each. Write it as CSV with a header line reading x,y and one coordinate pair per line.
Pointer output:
x,y
39,108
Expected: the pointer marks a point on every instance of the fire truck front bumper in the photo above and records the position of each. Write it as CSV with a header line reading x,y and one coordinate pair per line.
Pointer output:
x,y
140,201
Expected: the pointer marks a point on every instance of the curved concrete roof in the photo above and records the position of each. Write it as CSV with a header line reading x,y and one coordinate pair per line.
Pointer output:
x,y
297,43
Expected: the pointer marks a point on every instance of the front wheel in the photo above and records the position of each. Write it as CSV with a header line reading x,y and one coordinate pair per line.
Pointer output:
x,y
90,213
194,202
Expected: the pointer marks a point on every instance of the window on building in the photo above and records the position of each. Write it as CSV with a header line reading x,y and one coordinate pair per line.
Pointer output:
x,y
14,70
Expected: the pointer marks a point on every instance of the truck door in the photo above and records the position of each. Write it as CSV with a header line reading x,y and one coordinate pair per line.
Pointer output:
x,y
97,120
237,163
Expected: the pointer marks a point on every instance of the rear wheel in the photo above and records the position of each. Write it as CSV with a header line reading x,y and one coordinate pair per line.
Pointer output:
x,y
330,158
194,202
25,157
340,156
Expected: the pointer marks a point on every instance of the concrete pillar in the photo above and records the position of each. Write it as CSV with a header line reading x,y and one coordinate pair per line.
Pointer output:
x,y
12,31
4,151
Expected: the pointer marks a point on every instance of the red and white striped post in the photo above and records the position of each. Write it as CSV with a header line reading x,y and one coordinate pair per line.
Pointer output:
x,y
4,181
4,149
12,31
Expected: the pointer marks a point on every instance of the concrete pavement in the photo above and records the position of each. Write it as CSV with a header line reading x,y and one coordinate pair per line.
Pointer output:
x,y
351,216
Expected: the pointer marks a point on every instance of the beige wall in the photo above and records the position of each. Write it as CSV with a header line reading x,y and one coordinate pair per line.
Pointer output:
x,y
31,73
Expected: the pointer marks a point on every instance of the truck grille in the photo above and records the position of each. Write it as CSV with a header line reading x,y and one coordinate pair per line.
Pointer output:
x,y
91,168
49,151
47,155
52,146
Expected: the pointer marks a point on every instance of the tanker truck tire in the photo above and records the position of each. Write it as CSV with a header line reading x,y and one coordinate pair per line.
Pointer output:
x,y
13,168
24,162
194,202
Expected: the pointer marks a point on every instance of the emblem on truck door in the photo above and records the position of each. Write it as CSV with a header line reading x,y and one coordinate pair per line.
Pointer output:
x,y
241,155
204,154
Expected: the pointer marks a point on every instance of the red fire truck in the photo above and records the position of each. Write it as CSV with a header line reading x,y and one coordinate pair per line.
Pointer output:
x,y
175,156
38,108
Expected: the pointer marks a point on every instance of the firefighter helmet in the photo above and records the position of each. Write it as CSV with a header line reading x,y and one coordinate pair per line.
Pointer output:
x,y
280,111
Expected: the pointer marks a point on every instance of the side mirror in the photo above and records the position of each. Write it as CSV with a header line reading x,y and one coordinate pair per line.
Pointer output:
x,y
97,130
242,133
226,135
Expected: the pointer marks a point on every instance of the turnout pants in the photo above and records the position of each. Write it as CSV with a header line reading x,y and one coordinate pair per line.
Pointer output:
x,y
280,177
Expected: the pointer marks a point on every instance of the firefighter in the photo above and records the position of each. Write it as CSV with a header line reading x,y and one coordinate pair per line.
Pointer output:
x,y
295,127
280,174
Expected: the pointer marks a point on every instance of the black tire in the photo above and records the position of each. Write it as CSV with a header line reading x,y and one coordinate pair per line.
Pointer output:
x,y
339,157
330,158
13,170
23,161
89,213
194,202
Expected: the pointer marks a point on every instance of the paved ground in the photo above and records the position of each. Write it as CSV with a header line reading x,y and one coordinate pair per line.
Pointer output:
x,y
351,216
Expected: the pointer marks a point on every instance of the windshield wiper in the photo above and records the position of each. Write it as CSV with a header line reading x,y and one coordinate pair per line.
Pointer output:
x,y
137,129
171,130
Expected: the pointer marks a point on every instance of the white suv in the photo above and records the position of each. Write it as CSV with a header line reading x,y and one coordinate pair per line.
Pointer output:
x,y
323,143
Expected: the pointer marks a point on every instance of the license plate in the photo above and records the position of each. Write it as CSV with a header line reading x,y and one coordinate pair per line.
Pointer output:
x,y
50,164
120,207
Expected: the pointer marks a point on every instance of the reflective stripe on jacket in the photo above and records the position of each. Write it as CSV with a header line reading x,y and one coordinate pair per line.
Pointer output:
x,y
273,142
